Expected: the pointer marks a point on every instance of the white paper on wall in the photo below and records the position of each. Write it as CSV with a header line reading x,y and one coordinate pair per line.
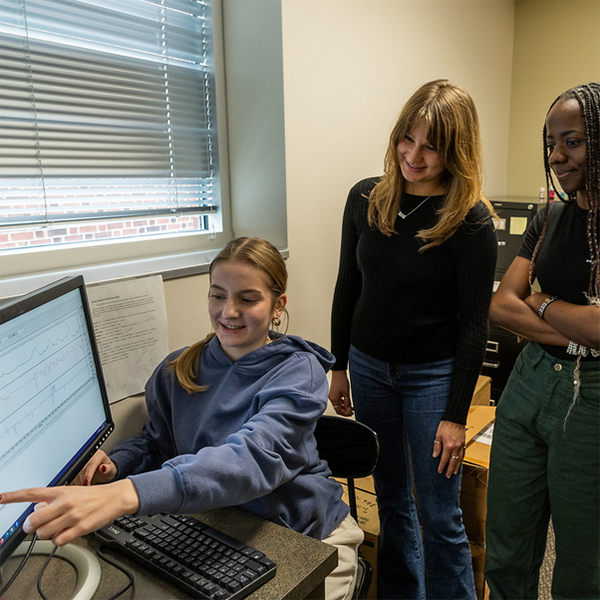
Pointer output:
x,y
130,323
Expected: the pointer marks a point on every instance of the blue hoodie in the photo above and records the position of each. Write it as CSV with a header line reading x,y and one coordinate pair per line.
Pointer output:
x,y
247,441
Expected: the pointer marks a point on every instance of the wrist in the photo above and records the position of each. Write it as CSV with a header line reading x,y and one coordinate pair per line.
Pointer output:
x,y
128,496
545,304
339,374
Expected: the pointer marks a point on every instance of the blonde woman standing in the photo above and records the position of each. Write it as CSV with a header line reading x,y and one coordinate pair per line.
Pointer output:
x,y
410,317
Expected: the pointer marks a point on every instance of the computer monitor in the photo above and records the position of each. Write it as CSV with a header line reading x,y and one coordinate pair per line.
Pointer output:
x,y
54,409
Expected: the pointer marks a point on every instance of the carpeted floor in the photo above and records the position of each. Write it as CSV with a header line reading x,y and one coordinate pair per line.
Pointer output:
x,y
546,570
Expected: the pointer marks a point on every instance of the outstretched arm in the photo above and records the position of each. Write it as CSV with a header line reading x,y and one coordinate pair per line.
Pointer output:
x,y
65,513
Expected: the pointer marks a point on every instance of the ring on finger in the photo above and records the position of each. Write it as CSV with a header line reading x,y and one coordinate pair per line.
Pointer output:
x,y
436,442
455,457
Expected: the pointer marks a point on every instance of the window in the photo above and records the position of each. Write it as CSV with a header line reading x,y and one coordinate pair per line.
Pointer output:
x,y
108,127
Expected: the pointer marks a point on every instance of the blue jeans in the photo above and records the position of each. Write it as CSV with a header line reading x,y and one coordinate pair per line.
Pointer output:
x,y
404,404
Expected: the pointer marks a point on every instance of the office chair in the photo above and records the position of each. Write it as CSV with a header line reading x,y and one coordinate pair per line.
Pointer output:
x,y
352,450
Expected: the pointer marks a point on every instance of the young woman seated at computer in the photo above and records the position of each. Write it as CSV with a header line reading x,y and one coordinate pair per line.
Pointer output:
x,y
231,422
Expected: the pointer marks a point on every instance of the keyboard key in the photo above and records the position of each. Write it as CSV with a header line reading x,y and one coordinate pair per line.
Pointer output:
x,y
233,586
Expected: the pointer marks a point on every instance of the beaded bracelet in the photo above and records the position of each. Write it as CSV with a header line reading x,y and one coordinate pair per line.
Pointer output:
x,y
545,305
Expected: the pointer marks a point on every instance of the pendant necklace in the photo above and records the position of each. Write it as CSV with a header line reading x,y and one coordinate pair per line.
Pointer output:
x,y
404,215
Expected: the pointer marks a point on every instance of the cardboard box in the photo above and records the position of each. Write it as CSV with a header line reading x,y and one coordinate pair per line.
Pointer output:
x,y
365,483
479,431
483,392
473,499
473,496
478,558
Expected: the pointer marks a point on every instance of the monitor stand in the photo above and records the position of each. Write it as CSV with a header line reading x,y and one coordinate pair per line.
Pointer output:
x,y
85,563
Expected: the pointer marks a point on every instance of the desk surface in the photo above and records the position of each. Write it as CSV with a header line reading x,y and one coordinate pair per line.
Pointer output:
x,y
302,564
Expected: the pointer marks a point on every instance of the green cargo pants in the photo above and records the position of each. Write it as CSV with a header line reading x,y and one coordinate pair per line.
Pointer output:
x,y
544,464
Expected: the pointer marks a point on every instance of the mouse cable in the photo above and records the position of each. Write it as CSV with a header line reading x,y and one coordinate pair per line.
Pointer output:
x,y
103,557
41,573
21,565
110,561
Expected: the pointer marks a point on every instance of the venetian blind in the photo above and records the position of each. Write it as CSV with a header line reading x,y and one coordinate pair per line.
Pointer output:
x,y
106,109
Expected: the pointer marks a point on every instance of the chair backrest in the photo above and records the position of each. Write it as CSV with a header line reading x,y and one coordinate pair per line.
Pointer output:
x,y
351,448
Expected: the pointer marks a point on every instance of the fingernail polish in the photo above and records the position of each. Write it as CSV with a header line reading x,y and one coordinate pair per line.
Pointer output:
x,y
86,482
103,469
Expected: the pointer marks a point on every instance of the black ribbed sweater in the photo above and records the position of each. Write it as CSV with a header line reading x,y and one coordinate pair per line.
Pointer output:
x,y
401,306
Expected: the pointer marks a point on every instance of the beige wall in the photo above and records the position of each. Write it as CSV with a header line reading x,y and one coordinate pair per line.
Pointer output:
x,y
187,316
557,46
349,66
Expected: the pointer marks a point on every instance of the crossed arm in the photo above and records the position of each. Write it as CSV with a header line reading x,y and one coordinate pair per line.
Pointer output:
x,y
516,309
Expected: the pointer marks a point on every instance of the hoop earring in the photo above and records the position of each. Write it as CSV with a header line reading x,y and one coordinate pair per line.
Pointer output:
x,y
276,321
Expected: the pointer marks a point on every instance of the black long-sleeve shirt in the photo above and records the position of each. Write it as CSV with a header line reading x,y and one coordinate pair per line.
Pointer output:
x,y
400,305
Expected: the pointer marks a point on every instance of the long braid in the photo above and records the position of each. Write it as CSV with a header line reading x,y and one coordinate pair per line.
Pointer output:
x,y
550,185
588,97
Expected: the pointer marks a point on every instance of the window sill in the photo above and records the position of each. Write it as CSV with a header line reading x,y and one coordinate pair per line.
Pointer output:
x,y
172,266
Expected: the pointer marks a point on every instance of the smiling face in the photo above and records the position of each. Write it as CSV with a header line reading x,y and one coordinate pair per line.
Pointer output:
x,y
565,141
241,307
421,166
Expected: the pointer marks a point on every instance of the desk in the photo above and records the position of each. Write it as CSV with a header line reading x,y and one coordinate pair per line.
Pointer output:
x,y
303,563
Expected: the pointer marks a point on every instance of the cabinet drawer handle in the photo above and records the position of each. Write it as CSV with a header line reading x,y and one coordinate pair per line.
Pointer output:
x,y
492,346
491,365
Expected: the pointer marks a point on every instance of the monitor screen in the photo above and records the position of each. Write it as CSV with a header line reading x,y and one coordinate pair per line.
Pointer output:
x,y
54,410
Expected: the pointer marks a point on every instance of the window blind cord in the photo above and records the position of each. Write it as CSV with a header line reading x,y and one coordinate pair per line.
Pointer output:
x,y
36,132
174,197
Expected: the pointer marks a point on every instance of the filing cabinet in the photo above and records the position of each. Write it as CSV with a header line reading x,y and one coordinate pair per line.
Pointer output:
x,y
501,351
515,214
503,347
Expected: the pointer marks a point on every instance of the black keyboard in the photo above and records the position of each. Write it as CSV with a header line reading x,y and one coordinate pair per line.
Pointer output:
x,y
203,561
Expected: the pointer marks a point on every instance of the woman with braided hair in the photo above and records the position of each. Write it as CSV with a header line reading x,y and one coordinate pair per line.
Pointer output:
x,y
546,451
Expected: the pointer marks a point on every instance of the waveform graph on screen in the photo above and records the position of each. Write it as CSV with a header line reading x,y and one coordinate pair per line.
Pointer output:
x,y
41,378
